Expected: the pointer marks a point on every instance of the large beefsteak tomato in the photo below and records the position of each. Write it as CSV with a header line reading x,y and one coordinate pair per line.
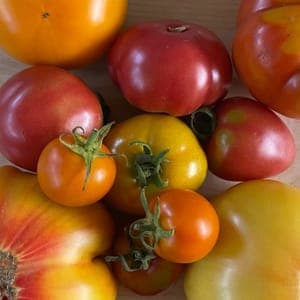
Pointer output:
x,y
64,33
257,255
48,251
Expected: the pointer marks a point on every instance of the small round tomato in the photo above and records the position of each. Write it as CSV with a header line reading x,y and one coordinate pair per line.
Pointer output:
x,y
75,171
164,148
249,141
63,33
180,225
159,275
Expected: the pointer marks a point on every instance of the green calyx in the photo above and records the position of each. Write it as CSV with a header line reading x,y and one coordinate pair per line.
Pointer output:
x,y
138,258
148,230
203,122
88,147
148,167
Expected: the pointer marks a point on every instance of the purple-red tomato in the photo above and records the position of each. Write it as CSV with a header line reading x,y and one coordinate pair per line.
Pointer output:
x,y
38,104
170,66
249,142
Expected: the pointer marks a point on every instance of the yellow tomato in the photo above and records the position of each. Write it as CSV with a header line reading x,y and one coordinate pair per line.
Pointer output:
x,y
47,251
68,33
257,255
184,165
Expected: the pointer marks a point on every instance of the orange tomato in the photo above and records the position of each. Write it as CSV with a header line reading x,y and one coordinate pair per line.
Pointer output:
x,y
65,33
62,174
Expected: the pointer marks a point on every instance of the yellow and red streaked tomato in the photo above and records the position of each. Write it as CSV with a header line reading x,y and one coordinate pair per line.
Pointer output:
x,y
266,55
49,250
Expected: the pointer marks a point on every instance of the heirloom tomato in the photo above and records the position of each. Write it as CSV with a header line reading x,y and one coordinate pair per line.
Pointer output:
x,y
257,255
74,170
159,275
156,150
266,53
37,105
48,251
249,141
170,66
63,33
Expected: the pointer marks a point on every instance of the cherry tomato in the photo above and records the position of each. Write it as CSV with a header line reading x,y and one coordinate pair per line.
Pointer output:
x,y
170,66
180,225
74,177
60,32
160,274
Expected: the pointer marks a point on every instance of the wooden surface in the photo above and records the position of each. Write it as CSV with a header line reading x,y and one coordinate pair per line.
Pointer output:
x,y
217,15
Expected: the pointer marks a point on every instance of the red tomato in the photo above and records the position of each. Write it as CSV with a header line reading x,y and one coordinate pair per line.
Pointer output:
x,y
170,66
160,275
37,105
68,33
180,225
70,178
249,142
266,53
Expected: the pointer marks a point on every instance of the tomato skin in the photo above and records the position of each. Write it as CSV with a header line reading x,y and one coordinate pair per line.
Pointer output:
x,y
62,33
160,275
249,142
265,52
194,220
201,74
39,103
61,174
43,237
258,251
186,166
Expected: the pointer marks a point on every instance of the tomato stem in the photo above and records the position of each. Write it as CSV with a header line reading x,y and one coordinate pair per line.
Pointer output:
x,y
148,167
8,268
148,230
203,122
136,259
88,147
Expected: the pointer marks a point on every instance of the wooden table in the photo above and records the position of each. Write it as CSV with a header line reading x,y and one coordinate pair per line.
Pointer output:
x,y
218,16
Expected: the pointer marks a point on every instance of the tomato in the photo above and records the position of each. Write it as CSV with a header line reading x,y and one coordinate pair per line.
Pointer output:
x,y
257,255
180,225
47,251
75,171
200,74
160,274
266,54
249,141
63,33
183,164
37,105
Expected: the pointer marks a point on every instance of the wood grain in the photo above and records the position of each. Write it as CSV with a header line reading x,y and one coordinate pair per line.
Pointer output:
x,y
217,15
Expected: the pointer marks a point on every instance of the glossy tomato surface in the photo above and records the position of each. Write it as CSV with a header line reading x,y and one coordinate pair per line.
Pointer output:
x,y
185,164
249,142
63,33
39,103
194,221
49,250
258,251
61,174
170,66
266,55
160,275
